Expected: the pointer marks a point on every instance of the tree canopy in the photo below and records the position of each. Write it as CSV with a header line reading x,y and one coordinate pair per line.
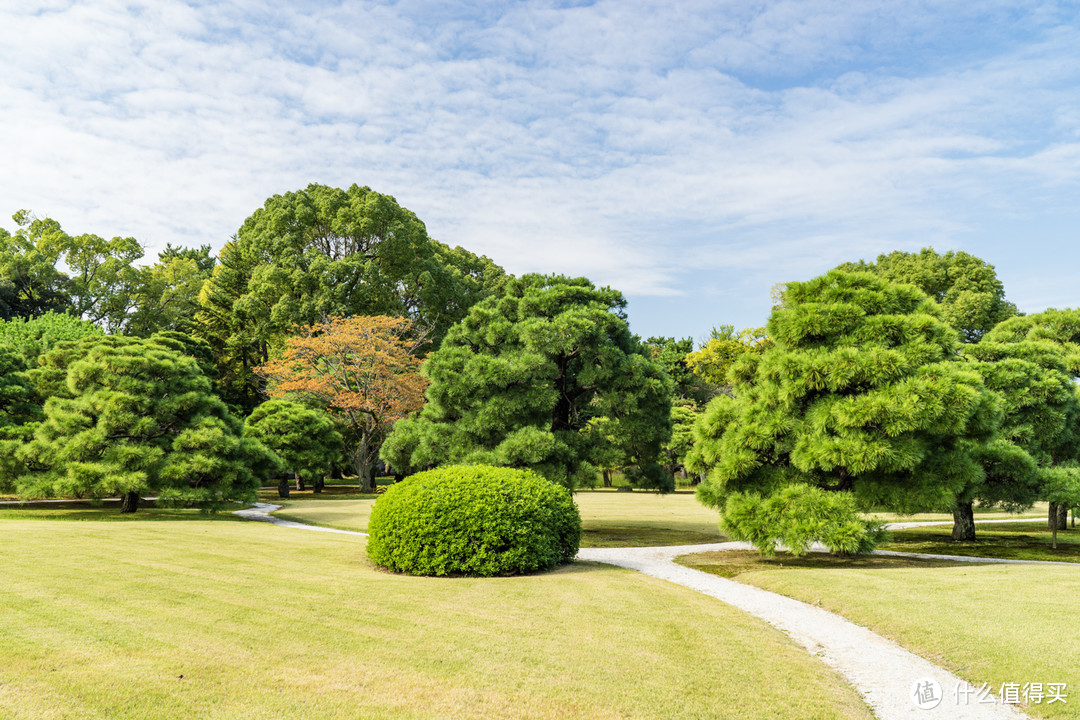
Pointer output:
x,y
518,380
322,252
861,391
972,298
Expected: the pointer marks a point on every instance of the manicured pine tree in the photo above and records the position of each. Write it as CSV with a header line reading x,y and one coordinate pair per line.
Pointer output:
x,y
860,391
517,382
304,438
140,419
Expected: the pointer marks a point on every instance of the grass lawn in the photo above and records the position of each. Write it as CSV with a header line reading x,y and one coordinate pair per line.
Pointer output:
x,y
213,618
1017,541
986,623
609,519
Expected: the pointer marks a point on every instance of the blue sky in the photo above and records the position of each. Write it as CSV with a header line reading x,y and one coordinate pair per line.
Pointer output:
x,y
691,154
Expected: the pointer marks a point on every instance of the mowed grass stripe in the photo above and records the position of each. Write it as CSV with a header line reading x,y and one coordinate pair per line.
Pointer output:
x,y
104,618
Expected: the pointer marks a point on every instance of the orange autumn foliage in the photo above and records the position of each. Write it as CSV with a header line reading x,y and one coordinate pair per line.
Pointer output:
x,y
361,369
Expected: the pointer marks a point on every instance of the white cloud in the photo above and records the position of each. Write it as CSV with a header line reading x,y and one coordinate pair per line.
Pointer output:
x,y
626,141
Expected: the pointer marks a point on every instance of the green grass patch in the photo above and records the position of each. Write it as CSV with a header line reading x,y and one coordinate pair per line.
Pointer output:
x,y
1015,541
608,519
245,620
986,623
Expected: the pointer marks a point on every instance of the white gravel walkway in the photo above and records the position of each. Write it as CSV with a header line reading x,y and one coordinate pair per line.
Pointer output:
x,y
261,512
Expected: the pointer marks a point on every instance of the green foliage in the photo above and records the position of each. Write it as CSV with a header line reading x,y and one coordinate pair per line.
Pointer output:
x,y
31,338
322,252
18,401
676,450
713,361
671,355
862,391
138,417
798,516
518,381
168,293
473,520
306,440
30,284
972,298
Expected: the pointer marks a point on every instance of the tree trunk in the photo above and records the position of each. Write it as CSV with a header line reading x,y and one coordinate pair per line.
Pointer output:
x,y
320,483
1053,536
607,477
1063,517
1052,517
129,503
963,521
300,486
365,472
1074,519
283,487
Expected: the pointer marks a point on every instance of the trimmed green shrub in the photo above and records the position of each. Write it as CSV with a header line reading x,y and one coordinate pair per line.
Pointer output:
x,y
798,516
474,520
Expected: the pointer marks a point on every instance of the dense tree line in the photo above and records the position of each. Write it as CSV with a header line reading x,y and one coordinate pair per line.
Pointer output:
x,y
331,332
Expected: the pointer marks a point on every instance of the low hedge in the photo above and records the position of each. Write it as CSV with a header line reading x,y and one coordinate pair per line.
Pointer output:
x,y
473,520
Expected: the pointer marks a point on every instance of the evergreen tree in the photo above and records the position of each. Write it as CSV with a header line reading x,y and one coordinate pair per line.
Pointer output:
x,y
140,418
305,439
972,298
517,382
861,391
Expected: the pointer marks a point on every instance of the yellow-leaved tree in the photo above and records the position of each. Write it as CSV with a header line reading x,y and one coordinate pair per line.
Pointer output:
x,y
363,370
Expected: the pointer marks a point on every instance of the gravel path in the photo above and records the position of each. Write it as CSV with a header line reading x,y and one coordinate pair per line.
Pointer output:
x,y
261,512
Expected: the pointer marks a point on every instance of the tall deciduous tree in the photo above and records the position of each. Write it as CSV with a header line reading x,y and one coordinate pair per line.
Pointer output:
x,y
140,418
322,252
972,298
30,283
517,382
103,280
363,370
167,297
861,391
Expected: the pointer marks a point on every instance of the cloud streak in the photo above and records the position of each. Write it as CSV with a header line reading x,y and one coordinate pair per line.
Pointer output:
x,y
749,143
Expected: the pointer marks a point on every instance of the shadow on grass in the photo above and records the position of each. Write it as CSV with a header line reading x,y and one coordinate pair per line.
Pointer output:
x,y
1019,541
106,511
732,563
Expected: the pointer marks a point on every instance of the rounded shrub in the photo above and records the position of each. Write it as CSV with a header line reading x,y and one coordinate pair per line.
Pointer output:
x,y
473,520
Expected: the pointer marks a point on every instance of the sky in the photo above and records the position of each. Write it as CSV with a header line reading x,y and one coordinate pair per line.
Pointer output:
x,y
690,154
